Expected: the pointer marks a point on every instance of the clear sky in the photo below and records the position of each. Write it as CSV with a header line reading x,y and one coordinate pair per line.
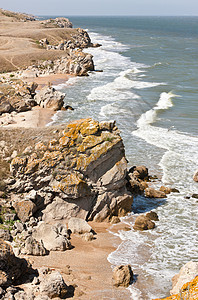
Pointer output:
x,y
103,7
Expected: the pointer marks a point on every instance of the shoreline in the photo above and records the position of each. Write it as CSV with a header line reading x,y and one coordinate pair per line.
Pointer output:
x,y
37,117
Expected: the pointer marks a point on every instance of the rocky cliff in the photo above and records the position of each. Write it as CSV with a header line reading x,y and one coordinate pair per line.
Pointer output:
x,y
80,173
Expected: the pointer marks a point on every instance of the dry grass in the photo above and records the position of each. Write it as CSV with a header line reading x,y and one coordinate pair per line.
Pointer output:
x,y
19,41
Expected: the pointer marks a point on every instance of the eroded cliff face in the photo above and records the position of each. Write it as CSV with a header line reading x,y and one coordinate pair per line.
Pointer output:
x,y
81,173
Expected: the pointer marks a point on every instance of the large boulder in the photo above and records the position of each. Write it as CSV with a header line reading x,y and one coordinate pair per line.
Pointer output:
x,y
24,209
187,273
33,247
143,223
152,193
52,284
48,97
122,275
51,237
188,291
5,107
77,225
140,172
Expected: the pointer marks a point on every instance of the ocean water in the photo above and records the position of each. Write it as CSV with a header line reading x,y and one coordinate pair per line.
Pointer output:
x,y
149,85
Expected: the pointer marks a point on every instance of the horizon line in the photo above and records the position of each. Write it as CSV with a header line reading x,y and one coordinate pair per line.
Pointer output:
x,y
117,15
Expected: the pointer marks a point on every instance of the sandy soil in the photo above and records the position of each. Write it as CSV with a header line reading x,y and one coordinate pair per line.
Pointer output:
x,y
88,265
54,79
19,45
37,117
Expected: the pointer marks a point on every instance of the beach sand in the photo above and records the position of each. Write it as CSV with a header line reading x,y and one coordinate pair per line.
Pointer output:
x,y
54,79
89,268
37,117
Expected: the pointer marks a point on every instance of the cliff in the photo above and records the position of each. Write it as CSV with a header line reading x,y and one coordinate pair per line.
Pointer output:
x,y
80,173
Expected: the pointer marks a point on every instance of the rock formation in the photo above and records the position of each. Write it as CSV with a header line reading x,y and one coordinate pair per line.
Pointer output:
x,y
187,273
122,275
59,22
80,174
48,97
143,223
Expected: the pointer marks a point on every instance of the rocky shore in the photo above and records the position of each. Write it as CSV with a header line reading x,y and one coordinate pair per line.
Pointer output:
x,y
63,188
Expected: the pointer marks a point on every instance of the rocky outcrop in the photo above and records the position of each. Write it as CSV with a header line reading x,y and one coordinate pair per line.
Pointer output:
x,y
77,225
187,273
80,174
48,97
59,22
18,97
122,275
188,291
137,177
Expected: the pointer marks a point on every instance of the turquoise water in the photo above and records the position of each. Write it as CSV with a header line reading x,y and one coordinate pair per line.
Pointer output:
x,y
149,85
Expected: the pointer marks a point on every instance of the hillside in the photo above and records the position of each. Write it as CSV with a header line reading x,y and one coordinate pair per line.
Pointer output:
x,y
19,40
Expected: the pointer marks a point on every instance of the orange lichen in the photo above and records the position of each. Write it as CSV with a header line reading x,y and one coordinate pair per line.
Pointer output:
x,y
189,291
71,184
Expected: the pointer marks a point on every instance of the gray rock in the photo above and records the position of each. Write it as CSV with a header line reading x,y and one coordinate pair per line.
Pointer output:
x,y
5,107
51,238
19,226
52,285
33,247
77,225
48,97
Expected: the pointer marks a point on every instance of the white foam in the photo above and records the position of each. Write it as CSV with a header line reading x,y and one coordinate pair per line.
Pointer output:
x,y
150,116
69,82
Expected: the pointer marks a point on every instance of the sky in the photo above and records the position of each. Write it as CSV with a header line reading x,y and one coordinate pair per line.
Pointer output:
x,y
103,7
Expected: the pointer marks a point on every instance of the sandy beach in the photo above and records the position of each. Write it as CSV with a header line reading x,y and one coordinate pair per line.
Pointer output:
x,y
54,79
88,268
37,117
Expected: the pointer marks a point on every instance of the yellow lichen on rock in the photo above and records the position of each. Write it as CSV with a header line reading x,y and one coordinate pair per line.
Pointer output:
x,y
189,291
71,184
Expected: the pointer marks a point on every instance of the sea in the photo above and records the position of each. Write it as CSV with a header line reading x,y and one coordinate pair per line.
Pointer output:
x,y
149,86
